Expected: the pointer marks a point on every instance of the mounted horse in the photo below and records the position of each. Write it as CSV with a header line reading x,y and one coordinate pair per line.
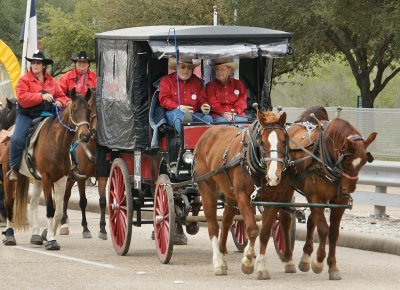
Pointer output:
x,y
86,168
327,157
231,164
52,161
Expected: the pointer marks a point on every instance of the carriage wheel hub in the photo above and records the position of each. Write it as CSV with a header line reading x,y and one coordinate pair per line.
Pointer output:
x,y
159,219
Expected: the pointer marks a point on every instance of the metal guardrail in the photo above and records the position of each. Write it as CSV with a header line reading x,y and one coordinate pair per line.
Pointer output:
x,y
381,174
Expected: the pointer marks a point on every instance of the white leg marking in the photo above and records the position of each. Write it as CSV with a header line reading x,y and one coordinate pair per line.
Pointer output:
x,y
35,191
273,167
306,258
261,263
109,266
218,258
248,256
59,192
356,162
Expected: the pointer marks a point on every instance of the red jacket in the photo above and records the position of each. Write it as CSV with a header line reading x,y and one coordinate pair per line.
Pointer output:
x,y
73,79
224,97
192,92
29,87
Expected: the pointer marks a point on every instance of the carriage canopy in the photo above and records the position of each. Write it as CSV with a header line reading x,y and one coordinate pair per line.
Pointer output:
x,y
130,60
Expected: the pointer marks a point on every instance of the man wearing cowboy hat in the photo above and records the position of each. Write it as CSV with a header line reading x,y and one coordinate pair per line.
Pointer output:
x,y
226,95
191,97
35,91
80,77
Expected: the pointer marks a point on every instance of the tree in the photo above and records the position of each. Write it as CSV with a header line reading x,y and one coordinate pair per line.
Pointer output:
x,y
11,23
364,33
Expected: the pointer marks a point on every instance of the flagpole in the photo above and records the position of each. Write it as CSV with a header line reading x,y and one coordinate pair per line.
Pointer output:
x,y
26,36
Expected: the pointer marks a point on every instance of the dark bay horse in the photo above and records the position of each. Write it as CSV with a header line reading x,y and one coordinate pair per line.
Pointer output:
x,y
328,157
230,164
52,160
86,167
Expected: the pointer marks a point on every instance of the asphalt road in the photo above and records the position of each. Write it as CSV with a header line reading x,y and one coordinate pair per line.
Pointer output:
x,y
93,264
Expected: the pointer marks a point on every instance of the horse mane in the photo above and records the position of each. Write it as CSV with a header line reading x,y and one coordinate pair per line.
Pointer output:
x,y
338,130
319,112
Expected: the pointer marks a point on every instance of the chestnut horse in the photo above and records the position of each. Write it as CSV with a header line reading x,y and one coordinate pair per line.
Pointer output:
x,y
52,160
86,167
328,156
232,163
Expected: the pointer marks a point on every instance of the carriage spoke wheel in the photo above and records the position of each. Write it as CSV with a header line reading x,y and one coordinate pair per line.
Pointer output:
x,y
239,235
120,206
164,218
278,233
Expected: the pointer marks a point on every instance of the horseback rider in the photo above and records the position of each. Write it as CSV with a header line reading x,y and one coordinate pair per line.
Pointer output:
x,y
36,91
80,77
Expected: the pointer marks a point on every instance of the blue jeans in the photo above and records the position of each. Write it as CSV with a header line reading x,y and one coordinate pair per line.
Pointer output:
x,y
18,140
175,117
238,119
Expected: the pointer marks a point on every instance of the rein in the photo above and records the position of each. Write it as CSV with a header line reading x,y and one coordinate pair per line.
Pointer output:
x,y
76,124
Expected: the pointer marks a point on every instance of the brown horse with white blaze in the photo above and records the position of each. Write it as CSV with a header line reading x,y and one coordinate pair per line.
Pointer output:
x,y
52,160
226,166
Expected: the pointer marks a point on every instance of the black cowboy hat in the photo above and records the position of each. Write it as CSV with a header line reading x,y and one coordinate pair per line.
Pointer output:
x,y
82,55
39,55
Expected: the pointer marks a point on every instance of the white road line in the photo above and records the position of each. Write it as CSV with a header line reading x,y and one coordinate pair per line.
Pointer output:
x,y
109,266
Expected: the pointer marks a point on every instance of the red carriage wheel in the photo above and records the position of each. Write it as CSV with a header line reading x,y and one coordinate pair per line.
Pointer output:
x,y
120,206
278,233
164,218
239,235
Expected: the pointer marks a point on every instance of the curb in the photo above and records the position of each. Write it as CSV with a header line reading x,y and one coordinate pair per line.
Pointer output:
x,y
361,241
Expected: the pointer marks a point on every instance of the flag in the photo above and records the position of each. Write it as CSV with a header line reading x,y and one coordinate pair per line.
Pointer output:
x,y
28,34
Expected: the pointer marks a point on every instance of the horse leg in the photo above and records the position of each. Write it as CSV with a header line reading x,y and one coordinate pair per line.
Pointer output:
x,y
229,213
59,191
50,212
335,218
247,211
101,184
64,230
268,217
323,229
305,262
35,190
210,212
287,260
82,204
9,188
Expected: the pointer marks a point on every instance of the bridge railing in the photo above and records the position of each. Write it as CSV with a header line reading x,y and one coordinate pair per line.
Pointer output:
x,y
381,174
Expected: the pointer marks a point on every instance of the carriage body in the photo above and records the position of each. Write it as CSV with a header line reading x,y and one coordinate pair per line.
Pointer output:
x,y
130,63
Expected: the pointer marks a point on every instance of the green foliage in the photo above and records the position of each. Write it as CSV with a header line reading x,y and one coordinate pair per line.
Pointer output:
x,y
11,23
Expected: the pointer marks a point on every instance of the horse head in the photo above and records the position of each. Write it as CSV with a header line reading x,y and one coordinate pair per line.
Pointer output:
x,y
272,138
349,151
79,114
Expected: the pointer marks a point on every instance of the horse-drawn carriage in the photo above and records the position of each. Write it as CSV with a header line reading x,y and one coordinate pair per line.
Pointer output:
x,y
154,170
147,156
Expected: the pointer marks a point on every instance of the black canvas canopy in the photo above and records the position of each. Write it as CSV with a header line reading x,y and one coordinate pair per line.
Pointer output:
x,y
129,61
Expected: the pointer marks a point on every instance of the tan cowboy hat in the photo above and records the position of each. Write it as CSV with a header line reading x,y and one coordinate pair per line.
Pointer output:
x,y
172,62
226,62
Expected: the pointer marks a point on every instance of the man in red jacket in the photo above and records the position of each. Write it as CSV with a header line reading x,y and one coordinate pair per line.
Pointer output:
x,y
80,77
36,91
226,95
191,97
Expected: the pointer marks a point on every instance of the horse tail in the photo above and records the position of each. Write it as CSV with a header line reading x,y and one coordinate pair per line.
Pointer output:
x,y
21,203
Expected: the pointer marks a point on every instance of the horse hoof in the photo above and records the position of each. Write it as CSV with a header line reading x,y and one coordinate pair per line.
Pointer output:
x,y
317,267
304,267
192,228
9,240
290,269
102,236
86,235
44,235
36,240
52,246
263,275
247,270
220,271
64,230
180,240
335,276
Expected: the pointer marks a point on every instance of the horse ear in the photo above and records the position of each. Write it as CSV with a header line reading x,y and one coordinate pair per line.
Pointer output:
x,y
73,94
260,117
282,119
370,139
88,94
